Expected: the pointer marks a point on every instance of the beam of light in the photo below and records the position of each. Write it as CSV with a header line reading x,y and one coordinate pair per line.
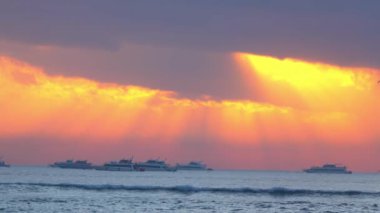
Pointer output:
x,y
33,103
338,101
329,104
300,107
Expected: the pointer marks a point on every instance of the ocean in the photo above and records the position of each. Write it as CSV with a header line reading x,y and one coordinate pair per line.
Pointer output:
x,y
43,189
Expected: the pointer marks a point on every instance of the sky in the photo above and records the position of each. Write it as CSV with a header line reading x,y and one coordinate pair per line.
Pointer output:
x,y
238,84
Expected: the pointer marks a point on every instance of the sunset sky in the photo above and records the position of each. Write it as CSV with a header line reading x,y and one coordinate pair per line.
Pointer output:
x,y
237,84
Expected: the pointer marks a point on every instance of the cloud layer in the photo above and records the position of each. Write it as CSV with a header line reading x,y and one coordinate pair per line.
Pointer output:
x,y
340,32
301,107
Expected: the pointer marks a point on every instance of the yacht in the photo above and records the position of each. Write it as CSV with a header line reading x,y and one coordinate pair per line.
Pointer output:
x,y
193,165
70,164
154,165
3,164
329,169
121,165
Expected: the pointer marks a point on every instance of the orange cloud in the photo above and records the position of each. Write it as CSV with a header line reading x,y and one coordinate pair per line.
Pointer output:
x,y
35,103
307,101
299,104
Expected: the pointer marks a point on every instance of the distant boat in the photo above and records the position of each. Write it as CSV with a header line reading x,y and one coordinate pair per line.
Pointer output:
x,y
3,164
154,165
193,165
70,164
121,165
328,169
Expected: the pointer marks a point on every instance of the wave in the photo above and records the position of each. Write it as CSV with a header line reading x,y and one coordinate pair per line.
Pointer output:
x,y
186,189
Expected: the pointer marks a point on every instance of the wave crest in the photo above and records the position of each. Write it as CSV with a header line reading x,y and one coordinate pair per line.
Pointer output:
x,y
187,189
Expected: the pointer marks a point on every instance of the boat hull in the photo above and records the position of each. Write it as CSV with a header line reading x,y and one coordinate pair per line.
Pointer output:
x,y
191,169
72,166
115,168
326,172
155,169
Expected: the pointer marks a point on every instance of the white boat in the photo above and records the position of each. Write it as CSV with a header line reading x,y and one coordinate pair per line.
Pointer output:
x,y
154,165
193,165
328,169
70,164
121,165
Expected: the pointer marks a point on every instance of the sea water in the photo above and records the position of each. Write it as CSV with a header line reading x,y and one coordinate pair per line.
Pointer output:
x,y
43,189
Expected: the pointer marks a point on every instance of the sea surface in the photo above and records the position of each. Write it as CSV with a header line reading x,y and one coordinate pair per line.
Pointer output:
x,y
43,189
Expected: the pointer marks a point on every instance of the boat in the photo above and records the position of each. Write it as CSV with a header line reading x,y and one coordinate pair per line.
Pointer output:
x,y
154,165
71,164
3,164
328,169
121,165
193,165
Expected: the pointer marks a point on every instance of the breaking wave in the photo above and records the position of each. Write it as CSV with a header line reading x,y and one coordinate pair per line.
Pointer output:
x,y
186,189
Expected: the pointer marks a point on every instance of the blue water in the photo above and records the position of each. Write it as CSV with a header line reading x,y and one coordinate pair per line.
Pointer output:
x,y
41,189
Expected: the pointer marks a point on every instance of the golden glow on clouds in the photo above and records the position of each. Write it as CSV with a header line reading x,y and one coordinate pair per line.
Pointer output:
x,y
299,102
339,103
35,103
